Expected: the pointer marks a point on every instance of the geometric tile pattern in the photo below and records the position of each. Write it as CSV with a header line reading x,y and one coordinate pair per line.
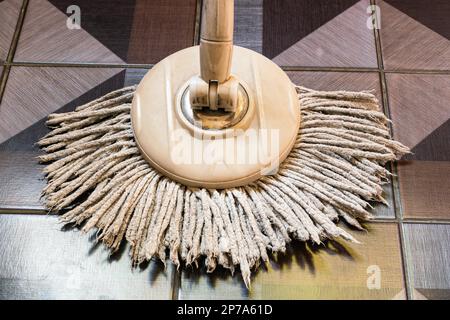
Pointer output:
x,y
284,21
307,32
421,119
344,41
46,37
409,44
419,106
33,93
431,13
133,31
330,39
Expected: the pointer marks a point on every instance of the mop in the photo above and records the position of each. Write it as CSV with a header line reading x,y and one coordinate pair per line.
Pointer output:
x,y
217,158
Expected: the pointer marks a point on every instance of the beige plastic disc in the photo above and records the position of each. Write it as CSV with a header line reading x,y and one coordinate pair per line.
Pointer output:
x,y
234,156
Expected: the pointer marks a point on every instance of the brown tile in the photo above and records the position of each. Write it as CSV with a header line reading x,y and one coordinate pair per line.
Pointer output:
x,y
30,95
41,260
333,271
425,189
9,14
288,21
418,105
431,13
421,114
428,260
352,81
160,28
406,38
110,22
45,37
33,93
330,33
339,37
127,31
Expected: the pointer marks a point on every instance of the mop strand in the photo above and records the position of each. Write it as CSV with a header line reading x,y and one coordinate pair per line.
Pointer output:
x,y
96,172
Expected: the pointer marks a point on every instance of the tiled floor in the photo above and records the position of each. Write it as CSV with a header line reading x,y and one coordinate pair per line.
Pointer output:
x,y
323,44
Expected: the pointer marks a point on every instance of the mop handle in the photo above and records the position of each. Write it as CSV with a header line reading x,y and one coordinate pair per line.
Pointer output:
x,y
216,40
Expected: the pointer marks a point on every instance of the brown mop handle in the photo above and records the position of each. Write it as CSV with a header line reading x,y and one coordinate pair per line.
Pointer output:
x,y
216,40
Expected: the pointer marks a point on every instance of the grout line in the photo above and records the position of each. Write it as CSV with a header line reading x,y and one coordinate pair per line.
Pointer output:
x,y
285,68
3,79
328,69
12,48
80,65
17,30
16,210
419,71
198,22
405,258
378,48
425,221
396,189
176,283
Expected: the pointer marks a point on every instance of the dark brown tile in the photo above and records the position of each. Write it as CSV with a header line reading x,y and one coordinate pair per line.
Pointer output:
x,y
30,95
425,189
160,28
41,260
415,34
333,271
9,14
352,81
428,260
126,31
319,33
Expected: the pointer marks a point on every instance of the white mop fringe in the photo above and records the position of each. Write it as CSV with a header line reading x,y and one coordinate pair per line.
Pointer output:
x,y
96,172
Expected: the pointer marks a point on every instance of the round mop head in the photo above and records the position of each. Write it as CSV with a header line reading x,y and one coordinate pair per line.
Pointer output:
x,y
97,174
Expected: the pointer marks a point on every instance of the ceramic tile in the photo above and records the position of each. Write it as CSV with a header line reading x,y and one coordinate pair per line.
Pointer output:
x,y
126,31
9,14
421,120
41,260
415,34
429,260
